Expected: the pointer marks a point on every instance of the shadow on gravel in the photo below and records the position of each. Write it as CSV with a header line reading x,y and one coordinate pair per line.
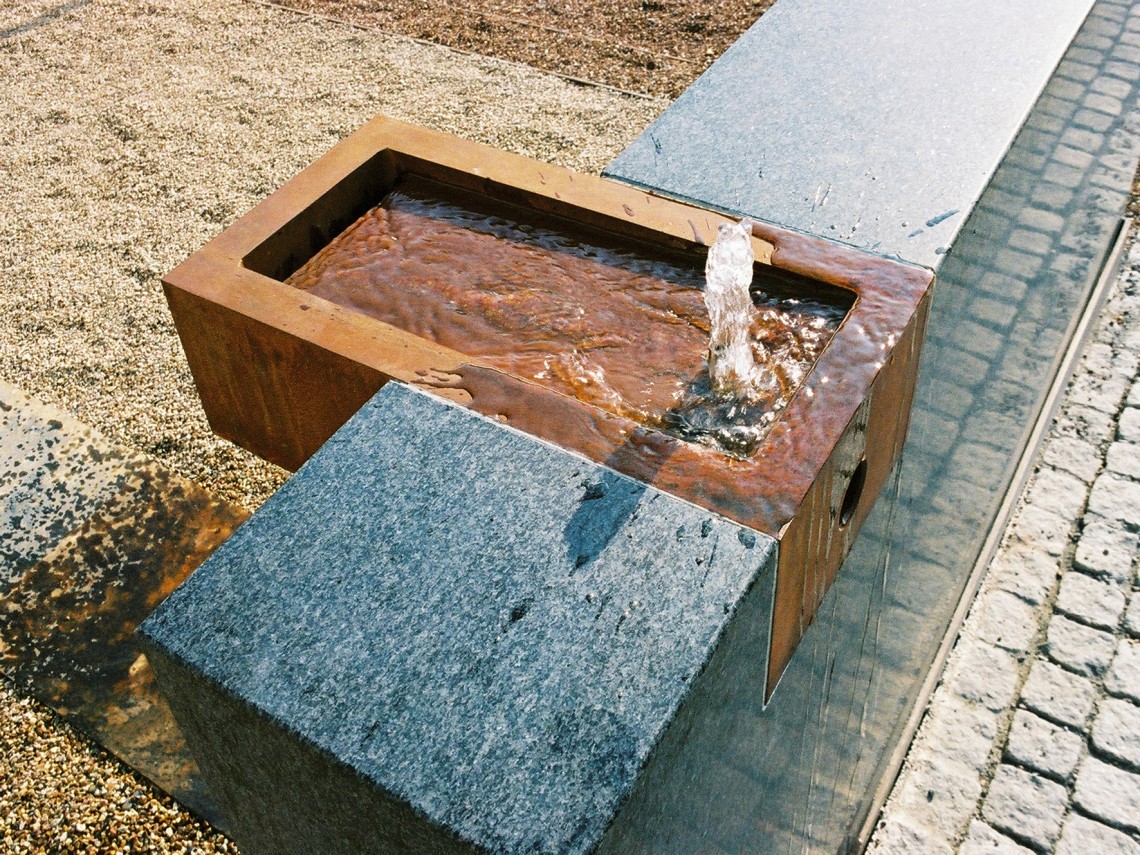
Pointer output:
x,y
41,20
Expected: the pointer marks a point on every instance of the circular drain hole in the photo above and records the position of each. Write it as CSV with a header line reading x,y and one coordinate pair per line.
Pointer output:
x,y
854,492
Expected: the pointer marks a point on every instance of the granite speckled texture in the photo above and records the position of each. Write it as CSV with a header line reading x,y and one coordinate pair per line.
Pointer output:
x,y
56,471
875,123
442,623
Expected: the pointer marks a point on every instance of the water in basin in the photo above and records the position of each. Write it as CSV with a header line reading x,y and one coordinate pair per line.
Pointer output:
x,y
616,325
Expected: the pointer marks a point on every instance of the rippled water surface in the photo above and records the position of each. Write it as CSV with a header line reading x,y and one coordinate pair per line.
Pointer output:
x,y
617,327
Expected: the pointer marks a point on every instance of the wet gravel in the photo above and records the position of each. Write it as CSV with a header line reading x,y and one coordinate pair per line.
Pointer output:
x,y
131,132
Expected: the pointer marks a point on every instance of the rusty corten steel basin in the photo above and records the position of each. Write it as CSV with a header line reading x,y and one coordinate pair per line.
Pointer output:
x,y
279,368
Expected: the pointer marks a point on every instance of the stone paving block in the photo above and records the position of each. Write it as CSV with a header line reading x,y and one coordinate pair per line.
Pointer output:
x,y
1116,498
899,837
981,839
1116,730
982,674
1132,616
938,791
1026,806
1027,573
1084,836
1133,399
1081,648
1125,361
1003,620
1124,459
1085,423
1096,360
1074,456
1129,428
1057,492
1042,746
1095,603
1059,695
1042,529
1109,794
1100,393
955,727
1123,676
1107,550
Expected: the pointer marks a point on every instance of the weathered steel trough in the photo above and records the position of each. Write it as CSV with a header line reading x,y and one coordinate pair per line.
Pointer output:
x,y
279,368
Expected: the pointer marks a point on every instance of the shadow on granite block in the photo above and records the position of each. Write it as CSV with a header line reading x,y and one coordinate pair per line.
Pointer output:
x,y
404,648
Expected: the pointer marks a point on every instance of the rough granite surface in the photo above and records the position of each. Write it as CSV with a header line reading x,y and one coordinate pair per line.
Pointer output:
x,y
814,131
491,630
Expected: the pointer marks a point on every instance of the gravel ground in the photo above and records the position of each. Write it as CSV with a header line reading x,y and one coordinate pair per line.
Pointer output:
x,y
60,793
130,134
653,46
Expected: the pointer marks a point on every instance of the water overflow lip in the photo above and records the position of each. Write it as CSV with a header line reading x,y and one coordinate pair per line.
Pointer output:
x,y
611,323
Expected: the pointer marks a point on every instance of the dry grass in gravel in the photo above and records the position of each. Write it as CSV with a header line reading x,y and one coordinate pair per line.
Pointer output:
x,y
131,132
654,46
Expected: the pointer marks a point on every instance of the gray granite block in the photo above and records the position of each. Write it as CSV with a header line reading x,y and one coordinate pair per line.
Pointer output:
x,y
874,123
56,472
445,636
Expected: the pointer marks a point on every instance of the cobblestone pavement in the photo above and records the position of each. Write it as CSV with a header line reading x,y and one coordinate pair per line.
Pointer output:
x,y
1031,742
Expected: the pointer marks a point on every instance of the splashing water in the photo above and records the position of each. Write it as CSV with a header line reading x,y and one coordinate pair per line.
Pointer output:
x,y
732,406
728,277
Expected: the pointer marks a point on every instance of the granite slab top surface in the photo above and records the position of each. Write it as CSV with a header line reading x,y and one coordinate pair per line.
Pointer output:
x,y
493,630
877,123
